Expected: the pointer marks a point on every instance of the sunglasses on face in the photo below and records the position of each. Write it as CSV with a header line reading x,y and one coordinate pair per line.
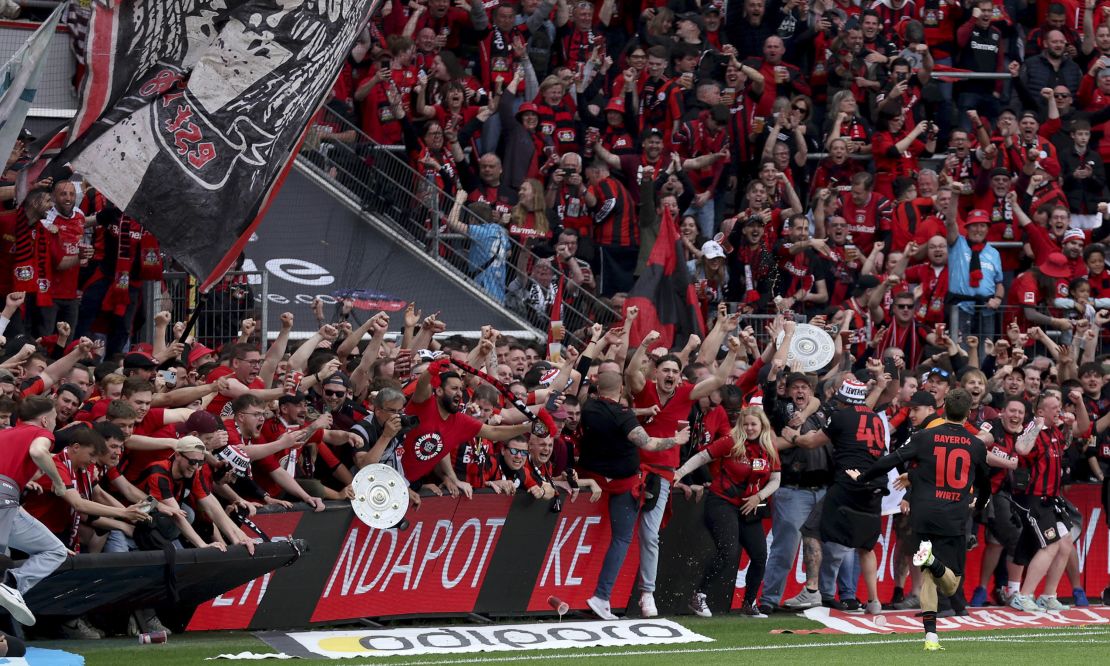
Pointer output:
x,y
195,462
334,394
904,306
518,453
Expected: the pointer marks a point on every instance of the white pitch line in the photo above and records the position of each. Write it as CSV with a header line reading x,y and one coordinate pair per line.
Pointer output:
x,y
1045,637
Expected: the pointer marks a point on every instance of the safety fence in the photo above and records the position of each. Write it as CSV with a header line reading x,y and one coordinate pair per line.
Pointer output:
x,y
508,272
240,295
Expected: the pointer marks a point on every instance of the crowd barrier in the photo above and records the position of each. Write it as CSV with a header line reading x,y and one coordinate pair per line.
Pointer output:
x,y
506,556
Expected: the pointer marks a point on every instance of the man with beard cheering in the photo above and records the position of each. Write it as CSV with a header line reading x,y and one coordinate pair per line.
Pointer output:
x,y
673,399
443,428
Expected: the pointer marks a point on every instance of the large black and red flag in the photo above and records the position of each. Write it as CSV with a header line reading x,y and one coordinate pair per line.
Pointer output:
x,y
664,294
192,110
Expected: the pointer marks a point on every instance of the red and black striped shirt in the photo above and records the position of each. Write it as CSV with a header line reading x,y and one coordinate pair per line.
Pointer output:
x,y
614,215
157,480
1045,463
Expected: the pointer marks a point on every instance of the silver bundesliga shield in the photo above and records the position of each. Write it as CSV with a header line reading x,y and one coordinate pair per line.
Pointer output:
x,y
381,496
811,348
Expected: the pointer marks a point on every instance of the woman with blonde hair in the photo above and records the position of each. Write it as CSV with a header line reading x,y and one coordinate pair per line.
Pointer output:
x,y
745,471
529,216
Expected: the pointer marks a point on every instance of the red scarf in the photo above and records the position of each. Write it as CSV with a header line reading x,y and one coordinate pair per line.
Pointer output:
x,y
132,237
34,269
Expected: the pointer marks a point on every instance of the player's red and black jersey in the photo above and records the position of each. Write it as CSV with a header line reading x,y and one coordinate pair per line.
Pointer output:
x,y
858,437
1005,444
947,465
1045,463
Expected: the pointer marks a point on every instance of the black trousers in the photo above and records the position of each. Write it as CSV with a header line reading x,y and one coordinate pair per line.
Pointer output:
x,y
732,531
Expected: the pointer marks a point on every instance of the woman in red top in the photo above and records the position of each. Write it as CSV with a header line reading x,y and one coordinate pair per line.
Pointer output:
x,y
745,471
895,150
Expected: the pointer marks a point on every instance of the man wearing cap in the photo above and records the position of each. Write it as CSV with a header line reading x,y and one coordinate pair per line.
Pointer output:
x,y
975,278
852,511
297,461
1036,287
139,364
200,355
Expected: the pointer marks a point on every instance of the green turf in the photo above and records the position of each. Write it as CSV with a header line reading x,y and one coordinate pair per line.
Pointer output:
x,y
737,640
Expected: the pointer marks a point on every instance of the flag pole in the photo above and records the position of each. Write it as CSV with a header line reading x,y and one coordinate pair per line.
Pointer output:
x,y
202,300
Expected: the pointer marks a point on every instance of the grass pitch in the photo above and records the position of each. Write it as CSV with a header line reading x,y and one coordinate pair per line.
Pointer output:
x,y
737,640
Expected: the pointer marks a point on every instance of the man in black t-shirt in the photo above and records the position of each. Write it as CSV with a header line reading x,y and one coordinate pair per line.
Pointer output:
x,y
948,469
611,440
853,518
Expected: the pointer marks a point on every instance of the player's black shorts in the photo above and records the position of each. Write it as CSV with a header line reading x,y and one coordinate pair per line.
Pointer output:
x,y
851,517
951,551
1004,526
1039,526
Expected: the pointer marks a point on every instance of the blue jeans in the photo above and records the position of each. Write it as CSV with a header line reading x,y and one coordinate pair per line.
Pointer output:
x,y
789,512
622,518
649,538
839,570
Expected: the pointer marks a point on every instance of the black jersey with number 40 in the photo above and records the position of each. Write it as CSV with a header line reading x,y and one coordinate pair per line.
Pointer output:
x,y
948,469
858,437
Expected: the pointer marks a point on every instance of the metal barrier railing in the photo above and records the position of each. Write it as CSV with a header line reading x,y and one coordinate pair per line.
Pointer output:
x,y
388,187
240,295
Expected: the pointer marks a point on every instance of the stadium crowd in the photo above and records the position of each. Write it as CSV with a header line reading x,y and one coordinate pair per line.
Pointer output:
x,y
949,238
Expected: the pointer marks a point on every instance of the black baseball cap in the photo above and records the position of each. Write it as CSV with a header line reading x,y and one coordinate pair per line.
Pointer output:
x,y
799,377
139,361
291,399
923,399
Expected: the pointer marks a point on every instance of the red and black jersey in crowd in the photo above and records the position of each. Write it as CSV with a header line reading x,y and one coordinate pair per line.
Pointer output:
x,y
934,291
615,222
798,272
571,209
1005,444
939,17
558,123
617,140
631,171
795,84
538,474
577,47
452,24
491,195
1045,463
476,462
750,269
891,17
742,111
836,176
1100,283
661,104
446,177
912,220
378,120
861,326
695,139
867,223
496,62
158,481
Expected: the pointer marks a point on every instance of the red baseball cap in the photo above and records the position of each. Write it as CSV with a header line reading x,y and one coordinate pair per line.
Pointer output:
x,y
978,216
197,352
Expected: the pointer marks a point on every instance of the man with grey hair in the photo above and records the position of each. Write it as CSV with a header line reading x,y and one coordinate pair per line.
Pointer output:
x,y
380,436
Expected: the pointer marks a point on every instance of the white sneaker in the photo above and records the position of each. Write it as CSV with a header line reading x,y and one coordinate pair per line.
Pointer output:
x,y
698,605
11,599
874,607
1049,602
600,608
647,605
1024,602
805,599
924,555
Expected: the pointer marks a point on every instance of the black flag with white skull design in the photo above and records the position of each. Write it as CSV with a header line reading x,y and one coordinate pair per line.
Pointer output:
x,y
192,111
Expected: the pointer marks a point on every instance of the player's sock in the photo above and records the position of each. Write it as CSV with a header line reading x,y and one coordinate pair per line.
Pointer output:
x,y
929,619
1013,587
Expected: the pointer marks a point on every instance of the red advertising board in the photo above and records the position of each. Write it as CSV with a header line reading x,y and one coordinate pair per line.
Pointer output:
x,y
437,565
442,563
574,556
